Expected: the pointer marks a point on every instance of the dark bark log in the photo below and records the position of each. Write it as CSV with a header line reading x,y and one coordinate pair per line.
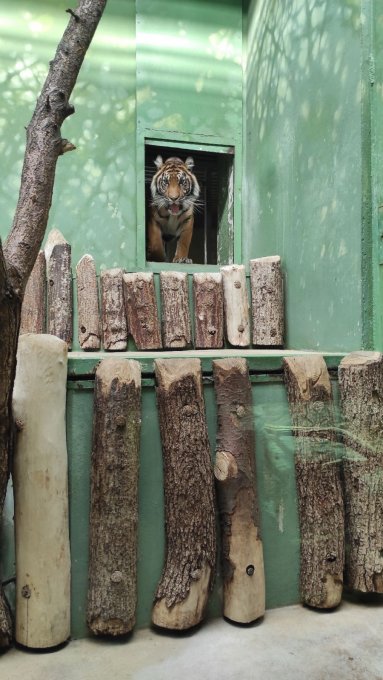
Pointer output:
x,y
114,327
60,297
89,327
361,394
176,332
242,551
34,308
189,496
141,310
267,301
208,310
112,593
317,467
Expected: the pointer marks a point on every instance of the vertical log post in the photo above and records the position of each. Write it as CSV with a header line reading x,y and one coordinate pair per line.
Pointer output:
x,y
33,310
320,500
41,493
141,310
176,331
242,551
112,593
60,307
208,310
361,394
183,590
267,301
114,326
236,305
89,332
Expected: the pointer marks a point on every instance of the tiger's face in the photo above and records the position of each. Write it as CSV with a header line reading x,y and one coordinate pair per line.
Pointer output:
x,y
174,187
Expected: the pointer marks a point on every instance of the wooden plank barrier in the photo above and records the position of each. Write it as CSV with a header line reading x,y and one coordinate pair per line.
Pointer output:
x,y
267,301
183,590
208,310
40,476
176,330
89,330
34,308
242,551
319,491
114,326
141,310
361,395
237,323
112,592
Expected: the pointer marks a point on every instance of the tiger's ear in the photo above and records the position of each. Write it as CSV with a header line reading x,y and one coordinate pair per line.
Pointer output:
x,y
158,162
189,163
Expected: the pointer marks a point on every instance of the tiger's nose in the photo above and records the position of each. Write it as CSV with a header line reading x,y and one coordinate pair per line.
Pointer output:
x,y
173,197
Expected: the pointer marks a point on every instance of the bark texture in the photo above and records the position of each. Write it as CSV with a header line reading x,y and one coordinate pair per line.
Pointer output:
x,y
60,298
361,393
44,146
189,496
317,468
89,327
114,327
141,310
208,310
34,308
267,301
176,332
242,551
237,321
112,593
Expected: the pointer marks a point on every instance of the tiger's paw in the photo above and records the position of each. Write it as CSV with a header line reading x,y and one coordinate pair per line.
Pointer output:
x,y
183,260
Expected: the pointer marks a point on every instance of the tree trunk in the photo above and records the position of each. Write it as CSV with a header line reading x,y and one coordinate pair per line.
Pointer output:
x,y
114,327
183,590
40,474
44,146
60,298
242,551
361,393
33,310
267,301
112,593
236,304
141,310
208,310
320,501
89,332
176,332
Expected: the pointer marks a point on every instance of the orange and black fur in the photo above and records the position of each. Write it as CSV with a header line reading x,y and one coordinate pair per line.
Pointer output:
x,y
175,191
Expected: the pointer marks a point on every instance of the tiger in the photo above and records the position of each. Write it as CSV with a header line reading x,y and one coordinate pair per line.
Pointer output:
x,y
175,191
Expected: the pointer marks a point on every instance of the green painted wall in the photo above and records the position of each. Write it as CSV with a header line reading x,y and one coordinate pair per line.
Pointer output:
x,y
303,166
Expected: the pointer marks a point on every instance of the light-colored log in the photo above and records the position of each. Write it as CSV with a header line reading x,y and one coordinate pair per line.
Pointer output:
x,y
267,301
41,493
236,304
89,327
112,592
60,300
114,326
34,308
241,545
183,590
141,310
208,310
176,331
317,468
361,395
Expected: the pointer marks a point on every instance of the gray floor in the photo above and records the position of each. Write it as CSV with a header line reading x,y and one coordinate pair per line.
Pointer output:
x,y
290,643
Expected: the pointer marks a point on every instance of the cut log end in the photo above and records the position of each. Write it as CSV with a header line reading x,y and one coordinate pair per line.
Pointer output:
x,y
189,612
114,627
225,467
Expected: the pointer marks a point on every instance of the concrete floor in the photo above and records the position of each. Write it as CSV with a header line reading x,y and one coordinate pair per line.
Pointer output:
x,y
290,643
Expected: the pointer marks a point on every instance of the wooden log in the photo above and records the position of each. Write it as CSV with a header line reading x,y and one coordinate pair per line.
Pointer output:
x,y
41,493
141,310
242,551
89,331
361,396
60,303
176,331
237,323
183,590
112,593
317,467
208,310
114,326
34,308
267,301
